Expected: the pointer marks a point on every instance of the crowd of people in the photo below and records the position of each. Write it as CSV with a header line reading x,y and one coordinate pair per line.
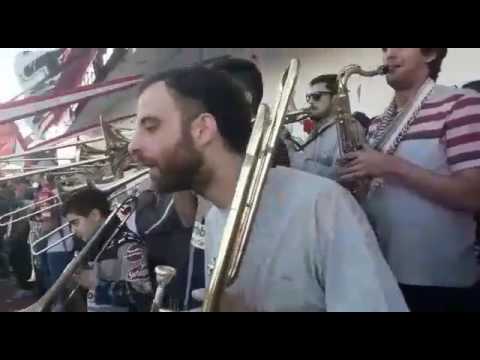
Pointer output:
x,y
410,245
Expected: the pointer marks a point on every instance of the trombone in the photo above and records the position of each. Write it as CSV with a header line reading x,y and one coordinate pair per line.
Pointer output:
x,y
43,303
46,300
250,185
110,189
113,141
27,207
47,170
46,237
41,150
115,153
103,188
297,116
254,171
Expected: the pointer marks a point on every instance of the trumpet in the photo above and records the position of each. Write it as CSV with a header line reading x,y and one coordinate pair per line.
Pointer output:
x,y
164,275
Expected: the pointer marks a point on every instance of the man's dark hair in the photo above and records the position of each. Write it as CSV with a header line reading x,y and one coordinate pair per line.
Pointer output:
x,y
50,178
473,85
248,74
83,202
213,92
436,65
329,79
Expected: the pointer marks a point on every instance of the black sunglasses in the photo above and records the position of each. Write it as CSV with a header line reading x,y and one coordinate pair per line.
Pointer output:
x,y
316,96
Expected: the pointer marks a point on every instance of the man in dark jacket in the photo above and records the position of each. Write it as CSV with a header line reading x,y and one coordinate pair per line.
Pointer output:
x,y
168,244
118,281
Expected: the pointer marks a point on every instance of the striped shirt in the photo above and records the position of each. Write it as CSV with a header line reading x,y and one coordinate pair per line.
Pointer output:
x,y
453,116
427,244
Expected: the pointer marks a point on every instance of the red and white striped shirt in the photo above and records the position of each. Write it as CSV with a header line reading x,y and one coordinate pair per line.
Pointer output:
x,y
455,120
425,243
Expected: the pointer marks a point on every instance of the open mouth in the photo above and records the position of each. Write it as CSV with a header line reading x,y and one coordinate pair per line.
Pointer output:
x,y
393,68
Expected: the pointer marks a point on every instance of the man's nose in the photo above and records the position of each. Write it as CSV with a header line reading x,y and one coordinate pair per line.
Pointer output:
x,y
390,53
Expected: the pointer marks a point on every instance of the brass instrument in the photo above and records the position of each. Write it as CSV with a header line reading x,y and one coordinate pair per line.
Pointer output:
x,y
116,154
46,237
350,137
262,144
164,275
297,116
11,214
87,160
31,235
47,149
111,189
108,189
55,168
116,148
46,300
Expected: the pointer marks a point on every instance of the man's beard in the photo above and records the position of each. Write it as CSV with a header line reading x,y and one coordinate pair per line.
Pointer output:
x,y
394,83
319,116
180,170
400,81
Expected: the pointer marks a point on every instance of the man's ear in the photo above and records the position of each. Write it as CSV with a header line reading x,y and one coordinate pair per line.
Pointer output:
x,y
249,97
333,99
204,129
95,215
430,57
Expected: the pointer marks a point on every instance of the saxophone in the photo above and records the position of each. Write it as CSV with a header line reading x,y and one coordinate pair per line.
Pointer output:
x,y
350,136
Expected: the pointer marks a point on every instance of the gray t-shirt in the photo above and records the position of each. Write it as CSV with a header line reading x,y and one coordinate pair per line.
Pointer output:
x,y
311,249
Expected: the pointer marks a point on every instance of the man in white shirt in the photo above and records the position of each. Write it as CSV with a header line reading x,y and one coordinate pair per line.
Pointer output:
x,y
424,157
311,247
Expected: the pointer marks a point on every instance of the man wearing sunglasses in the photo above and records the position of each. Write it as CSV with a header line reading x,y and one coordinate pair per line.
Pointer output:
x,y
318,154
